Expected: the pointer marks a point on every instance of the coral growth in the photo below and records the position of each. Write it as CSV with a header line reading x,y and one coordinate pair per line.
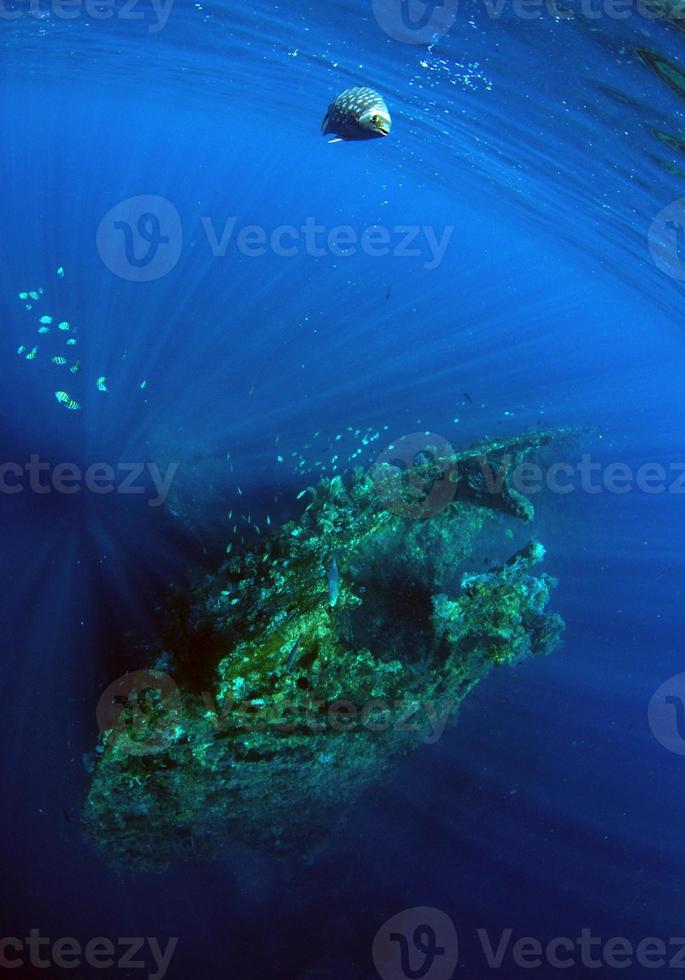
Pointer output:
x,y
289,701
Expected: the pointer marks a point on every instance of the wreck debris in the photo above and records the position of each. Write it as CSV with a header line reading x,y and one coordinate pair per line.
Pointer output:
x,y
287,705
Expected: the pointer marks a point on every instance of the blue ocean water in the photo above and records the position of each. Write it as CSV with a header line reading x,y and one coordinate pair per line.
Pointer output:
x,y
546,146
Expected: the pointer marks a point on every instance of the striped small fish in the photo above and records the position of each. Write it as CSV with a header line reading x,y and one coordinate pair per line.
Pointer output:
x,y
65,399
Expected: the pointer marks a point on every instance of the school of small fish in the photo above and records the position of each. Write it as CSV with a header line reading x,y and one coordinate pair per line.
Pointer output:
x,y
325,455
45,324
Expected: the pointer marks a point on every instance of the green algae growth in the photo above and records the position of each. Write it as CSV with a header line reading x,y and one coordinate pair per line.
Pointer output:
x,y
273,709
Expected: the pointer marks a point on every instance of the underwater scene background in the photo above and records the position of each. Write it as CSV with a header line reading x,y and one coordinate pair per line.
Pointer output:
x,y
527,277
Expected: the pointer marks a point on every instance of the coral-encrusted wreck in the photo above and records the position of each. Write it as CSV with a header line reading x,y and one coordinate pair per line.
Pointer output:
x,y
301,671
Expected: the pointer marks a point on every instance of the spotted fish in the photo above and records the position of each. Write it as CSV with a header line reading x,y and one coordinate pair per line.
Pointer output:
x,y
357,114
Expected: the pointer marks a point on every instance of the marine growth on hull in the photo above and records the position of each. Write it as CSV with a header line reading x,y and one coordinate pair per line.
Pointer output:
x,y
303,670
